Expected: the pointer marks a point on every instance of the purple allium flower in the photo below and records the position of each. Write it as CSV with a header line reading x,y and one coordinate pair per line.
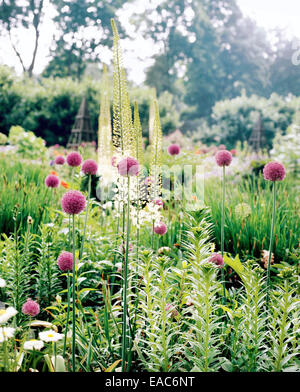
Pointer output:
x,y
73,202
223,158
174,149
159,203
160,229
74,159
60,160
274,171
128,167
89,167
31,308
65,261
52,181
217,259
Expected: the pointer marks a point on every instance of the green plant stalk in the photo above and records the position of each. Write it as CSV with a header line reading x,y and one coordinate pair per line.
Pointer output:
x,y
271,242
222,232
124,326
73,297
5,354
68,315
165,363
54,354
207,324
152,239
283,331
86,217
114,260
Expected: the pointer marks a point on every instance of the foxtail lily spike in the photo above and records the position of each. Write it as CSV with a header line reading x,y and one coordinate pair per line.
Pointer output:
x,y
104,129
123,131
156,160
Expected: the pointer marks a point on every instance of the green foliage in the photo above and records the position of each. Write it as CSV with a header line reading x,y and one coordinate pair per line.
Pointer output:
x,y
23,194
46,274
286,148
71,56
28,145
3,138
233,120
16,268
250,235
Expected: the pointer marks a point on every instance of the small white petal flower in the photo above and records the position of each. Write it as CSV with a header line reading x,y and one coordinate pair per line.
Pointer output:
x,y
6,314
33,344
6,333
50,336
2,283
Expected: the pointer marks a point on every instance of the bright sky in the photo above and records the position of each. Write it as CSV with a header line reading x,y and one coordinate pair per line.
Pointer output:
x,y
268,14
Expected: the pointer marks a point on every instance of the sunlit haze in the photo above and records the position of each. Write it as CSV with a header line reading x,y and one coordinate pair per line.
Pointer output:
x,y
269,14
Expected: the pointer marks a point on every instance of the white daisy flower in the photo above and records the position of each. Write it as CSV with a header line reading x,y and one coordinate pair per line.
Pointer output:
x,y
6,333
6,314
50,336
2,283
33,344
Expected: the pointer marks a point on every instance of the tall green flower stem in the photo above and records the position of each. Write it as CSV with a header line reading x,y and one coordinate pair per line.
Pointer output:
x,y
271,242
125,284
222,232
73,297
68,315
69,233
86,216
152,238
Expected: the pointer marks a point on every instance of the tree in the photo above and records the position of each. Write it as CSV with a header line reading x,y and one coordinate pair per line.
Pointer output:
x,y
216,49
27,14
284,72
84,30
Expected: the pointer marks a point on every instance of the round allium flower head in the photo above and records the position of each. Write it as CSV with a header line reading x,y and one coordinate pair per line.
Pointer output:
x,y
89,167
31,308
160,229
60,160
128,167
217,259
223,158
52,181
159,203
73,202
243,210
274,171
65,261
174,149
74,159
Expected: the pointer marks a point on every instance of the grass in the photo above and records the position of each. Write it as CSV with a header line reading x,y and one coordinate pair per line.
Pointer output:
x,y
249,235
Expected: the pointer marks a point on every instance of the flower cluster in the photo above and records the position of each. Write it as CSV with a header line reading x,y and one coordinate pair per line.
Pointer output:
x,y
73,202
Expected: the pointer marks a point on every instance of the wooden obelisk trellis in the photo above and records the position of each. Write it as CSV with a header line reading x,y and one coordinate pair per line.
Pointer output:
x,y
82,131
257,139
